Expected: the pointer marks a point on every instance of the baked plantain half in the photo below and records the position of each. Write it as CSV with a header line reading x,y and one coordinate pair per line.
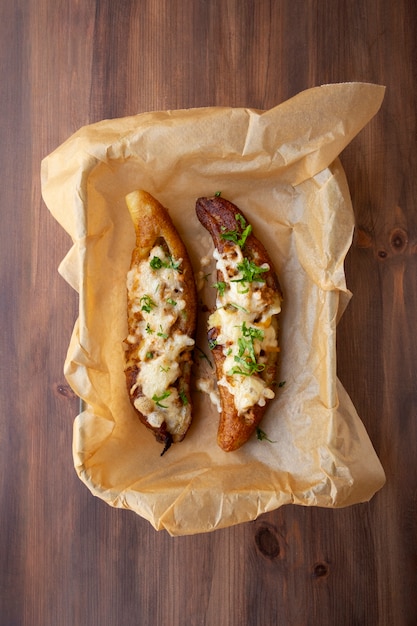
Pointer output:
x,y
161,315
243,329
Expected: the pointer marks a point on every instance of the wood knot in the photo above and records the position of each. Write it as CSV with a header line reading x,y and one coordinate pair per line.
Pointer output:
x,y
398,240
394,242
320,570
65,390
267,542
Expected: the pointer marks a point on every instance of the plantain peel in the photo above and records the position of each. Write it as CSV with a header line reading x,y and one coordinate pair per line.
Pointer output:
x,y
243,328
161,314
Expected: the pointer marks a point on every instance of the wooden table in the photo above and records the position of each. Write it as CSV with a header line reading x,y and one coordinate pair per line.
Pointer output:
x,y
67,558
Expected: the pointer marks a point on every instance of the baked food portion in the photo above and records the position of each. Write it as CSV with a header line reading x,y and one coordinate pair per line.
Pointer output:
x,y
161,312
243,329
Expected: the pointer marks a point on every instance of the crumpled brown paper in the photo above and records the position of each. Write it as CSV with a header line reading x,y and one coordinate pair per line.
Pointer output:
x,y
281,168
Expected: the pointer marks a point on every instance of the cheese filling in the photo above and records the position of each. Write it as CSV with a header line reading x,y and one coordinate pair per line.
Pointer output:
x,y
155,305
245,325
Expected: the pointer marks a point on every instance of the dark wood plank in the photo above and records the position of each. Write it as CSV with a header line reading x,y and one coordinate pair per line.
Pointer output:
x,y
66,557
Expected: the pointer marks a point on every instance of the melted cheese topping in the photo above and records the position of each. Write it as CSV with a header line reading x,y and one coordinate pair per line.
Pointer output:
x,y
207,385
155,303
244,316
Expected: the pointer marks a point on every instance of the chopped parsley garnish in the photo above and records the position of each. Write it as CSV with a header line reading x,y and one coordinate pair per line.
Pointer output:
x,y
239,218
148,303
148,329
161,333
250,272
212,344
245,358
262,436
183,397
175,265
252,331
245,367
158,399
238,307
157,263
171,301
239,238
221,287
235,236
217,194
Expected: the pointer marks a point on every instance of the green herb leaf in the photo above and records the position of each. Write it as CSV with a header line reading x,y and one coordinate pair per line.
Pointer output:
x,y
239,218
247,368
237,306
161,333
174,265
221,287
246,357
250,272
183,397
156,263
262,436
252,331
171,301
217,194
236,237
158,399
148,303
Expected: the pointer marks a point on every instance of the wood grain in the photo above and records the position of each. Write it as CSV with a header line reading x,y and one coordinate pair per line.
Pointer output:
x,y
67,558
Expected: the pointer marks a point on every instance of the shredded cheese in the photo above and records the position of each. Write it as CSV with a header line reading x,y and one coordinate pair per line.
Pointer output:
x,y
243,319
155,304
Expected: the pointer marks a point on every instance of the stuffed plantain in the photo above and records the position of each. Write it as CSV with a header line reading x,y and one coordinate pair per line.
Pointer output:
x,y
243,330
161,311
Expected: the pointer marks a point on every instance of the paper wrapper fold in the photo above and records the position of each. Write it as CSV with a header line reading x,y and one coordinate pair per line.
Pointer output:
x,y
281,168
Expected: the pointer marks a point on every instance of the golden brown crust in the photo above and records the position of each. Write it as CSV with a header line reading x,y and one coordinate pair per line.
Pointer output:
x,y
218,216
153,226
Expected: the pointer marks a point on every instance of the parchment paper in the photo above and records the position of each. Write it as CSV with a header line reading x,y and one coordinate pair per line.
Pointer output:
x,y
281,168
